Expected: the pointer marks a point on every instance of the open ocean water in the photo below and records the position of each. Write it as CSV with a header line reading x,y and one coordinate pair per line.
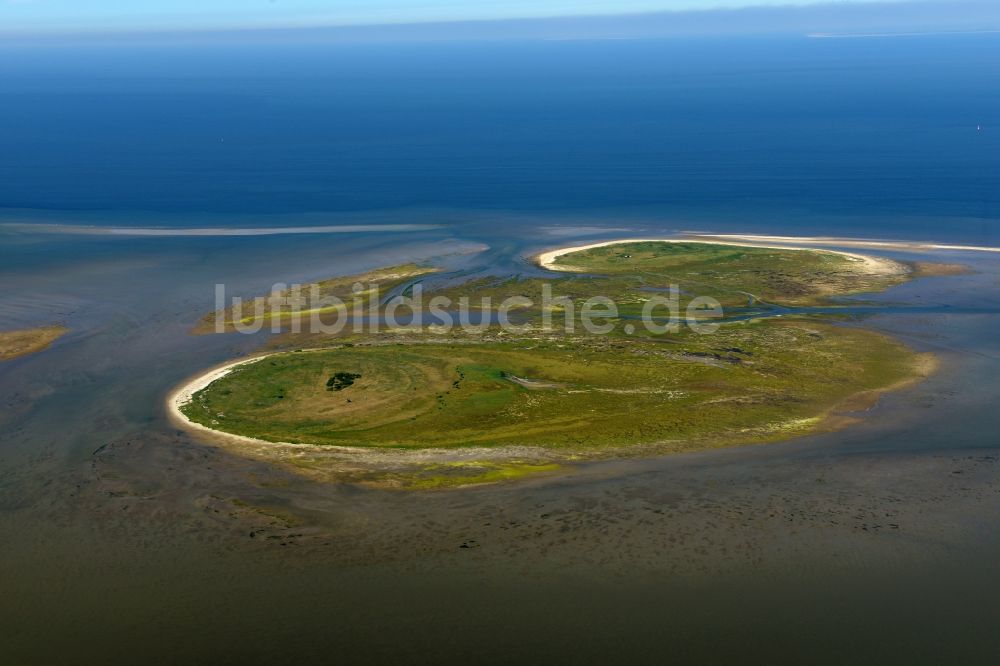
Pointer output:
x,y
122,538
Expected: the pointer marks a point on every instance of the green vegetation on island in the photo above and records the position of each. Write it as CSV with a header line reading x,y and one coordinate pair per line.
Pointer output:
x,y
526,402
748,383
730,273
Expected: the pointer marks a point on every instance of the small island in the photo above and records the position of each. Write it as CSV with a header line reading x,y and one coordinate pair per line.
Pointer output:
x,y
420,409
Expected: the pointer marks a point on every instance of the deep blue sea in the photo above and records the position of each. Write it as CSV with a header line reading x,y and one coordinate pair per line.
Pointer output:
x,y
896,137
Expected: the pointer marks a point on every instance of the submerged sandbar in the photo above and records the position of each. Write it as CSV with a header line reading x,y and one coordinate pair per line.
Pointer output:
x,y
15,344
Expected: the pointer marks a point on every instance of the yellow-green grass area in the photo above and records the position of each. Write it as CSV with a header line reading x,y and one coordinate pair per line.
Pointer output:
x,y
440,476
329,300
560,301
731,272
489,293
14,344
447,475
748,383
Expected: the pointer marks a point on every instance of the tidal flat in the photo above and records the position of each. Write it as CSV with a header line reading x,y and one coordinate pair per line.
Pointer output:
x,y
830,532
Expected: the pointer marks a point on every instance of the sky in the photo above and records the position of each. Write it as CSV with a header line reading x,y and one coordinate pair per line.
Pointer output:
x,y
48,16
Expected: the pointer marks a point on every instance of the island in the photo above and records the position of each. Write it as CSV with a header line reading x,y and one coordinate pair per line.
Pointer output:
x,y
432,408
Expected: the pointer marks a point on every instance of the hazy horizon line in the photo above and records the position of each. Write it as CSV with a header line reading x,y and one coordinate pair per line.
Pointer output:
x,y
882,17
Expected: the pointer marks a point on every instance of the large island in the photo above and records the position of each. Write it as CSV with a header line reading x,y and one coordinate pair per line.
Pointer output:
x,y
430,408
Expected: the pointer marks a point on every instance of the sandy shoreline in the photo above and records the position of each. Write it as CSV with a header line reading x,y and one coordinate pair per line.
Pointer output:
x,y
184,394
874,265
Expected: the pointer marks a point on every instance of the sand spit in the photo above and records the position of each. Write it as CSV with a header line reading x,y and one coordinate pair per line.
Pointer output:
x,y
93,230
852,242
